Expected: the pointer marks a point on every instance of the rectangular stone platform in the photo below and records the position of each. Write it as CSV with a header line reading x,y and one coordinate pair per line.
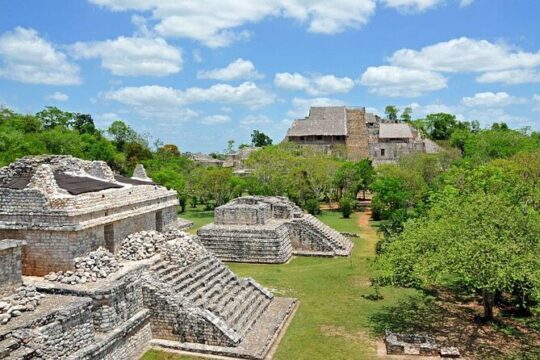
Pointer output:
x,y
258,341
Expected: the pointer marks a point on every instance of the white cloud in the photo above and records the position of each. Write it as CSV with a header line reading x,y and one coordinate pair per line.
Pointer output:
x,y
58,96
395,81
412,5
465,55
28,58
255,120
314,85
465,3
215,119
247,94
239,69
493,100
106,119
291,81
215,23
133,56
301,106
510,77
421,111
488,116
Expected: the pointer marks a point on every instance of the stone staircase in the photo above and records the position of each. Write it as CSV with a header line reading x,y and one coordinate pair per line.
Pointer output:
x,y
339,243
12,348
210,285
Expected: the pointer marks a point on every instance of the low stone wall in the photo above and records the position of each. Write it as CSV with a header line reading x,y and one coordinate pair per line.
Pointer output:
x,y
268,244
242,214
10,265
60,326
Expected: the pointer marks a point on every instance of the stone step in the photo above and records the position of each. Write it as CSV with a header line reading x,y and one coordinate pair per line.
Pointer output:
x,y
7,346
230,290
22,353
246,313
159,265
231,306
214,287
246,322
198,289
166,270
192,284
191,271
170,276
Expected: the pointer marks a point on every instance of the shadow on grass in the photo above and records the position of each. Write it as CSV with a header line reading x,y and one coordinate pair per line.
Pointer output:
x,y
452,324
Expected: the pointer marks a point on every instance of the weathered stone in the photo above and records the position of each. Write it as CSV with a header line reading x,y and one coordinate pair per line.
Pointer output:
x,y
269,230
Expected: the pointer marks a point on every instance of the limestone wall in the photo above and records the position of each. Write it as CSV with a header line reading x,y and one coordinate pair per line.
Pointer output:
x,y
243,214
174,319
393,150
10,265
357,135
48,251
60,326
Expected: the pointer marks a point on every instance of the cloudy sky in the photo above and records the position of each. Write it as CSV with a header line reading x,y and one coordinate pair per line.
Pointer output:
x,y
199,72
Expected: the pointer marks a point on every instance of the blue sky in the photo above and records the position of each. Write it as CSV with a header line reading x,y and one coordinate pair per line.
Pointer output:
x,y
199,72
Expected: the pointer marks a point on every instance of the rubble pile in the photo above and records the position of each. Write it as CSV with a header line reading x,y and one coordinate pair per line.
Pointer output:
x,y
25,298
96,265
183,251
141,245
145,244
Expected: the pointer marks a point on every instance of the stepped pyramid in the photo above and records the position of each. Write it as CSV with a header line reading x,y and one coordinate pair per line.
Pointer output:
x,y
215,311
266,229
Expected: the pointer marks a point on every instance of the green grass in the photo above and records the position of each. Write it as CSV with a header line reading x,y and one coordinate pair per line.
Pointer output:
x,y
333,319
199,216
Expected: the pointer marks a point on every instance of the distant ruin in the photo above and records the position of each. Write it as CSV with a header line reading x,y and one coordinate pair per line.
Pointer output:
x,y
120,277
362,134
265,229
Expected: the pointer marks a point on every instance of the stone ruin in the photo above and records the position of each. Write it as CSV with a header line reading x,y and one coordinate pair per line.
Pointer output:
x,y
100,270
417,345
265,229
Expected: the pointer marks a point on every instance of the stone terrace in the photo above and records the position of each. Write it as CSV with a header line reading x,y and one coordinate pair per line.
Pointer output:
x,y
269,230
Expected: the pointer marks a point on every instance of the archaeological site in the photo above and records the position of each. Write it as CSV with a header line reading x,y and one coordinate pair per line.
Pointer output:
x,y
96,266
363,134
267,229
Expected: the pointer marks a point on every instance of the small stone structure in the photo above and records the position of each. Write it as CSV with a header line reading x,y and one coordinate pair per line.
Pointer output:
x,y
265,229
151,286
417,345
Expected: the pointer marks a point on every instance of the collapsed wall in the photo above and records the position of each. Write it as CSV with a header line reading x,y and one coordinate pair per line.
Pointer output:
x,y
269,230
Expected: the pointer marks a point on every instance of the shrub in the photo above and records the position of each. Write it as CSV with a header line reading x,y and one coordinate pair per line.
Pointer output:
x,y
312,206
346,206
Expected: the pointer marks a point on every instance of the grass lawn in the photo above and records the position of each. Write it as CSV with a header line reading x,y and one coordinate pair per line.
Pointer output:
x,y
199,216
333,319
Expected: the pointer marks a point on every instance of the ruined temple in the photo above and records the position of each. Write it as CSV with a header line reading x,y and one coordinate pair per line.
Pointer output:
x,y
94,266
266,229
361,134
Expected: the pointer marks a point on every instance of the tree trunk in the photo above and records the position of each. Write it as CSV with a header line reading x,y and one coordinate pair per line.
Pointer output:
x,y
489,300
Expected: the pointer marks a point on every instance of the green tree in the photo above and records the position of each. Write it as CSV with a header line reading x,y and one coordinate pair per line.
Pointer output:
x,y
83,123
391,112
52,117
480,241
440,126
260,139
406,114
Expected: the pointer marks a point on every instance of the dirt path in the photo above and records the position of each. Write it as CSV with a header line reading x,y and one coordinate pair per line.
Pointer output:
x,y
366,230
